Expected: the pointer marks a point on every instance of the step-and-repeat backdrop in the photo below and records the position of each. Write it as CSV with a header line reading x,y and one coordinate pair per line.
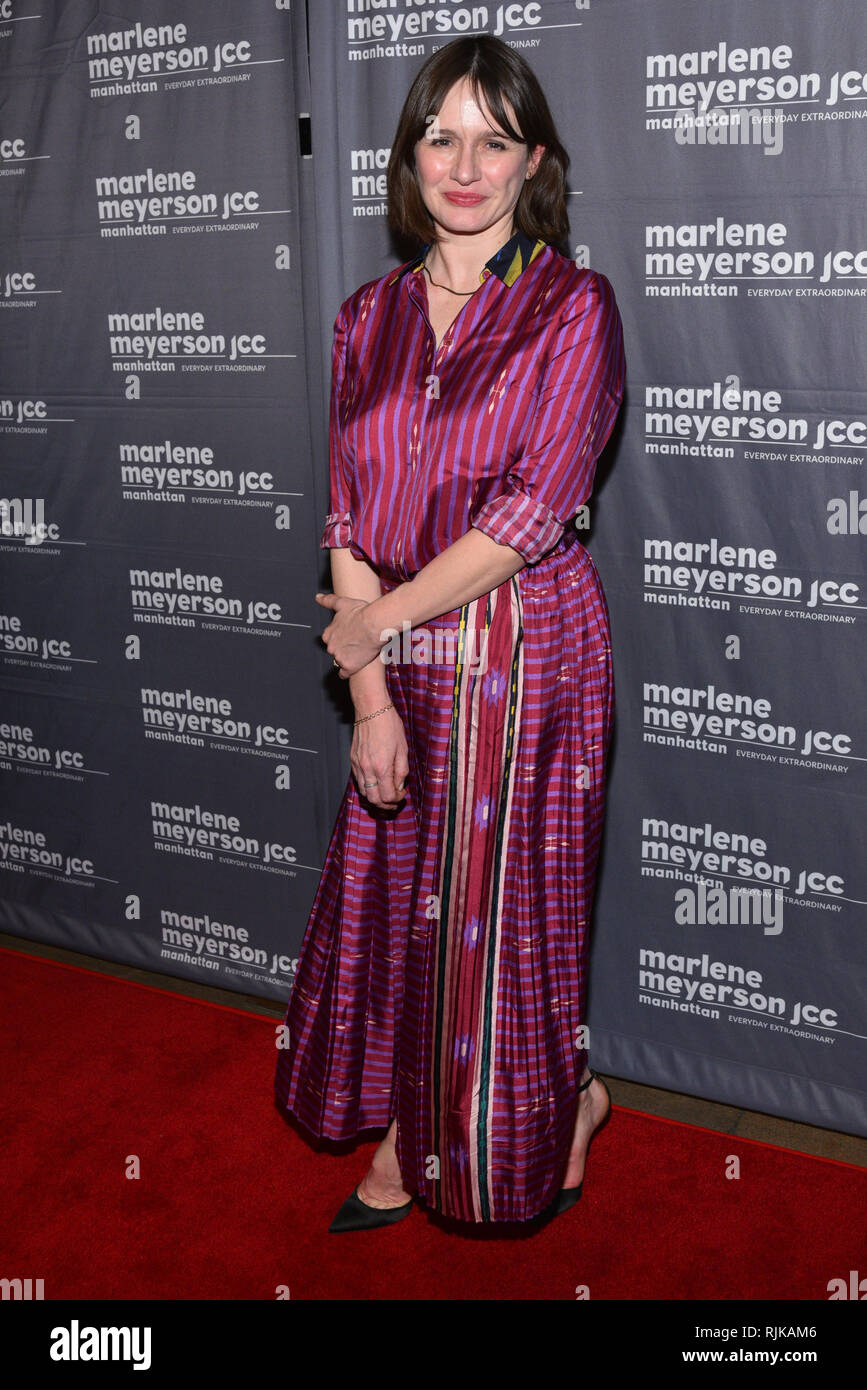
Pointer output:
x,y
188,192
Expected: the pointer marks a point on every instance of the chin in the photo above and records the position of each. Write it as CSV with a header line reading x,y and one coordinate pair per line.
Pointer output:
x,y
458,219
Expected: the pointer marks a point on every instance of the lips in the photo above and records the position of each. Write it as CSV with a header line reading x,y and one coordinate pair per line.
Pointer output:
x,y
464,200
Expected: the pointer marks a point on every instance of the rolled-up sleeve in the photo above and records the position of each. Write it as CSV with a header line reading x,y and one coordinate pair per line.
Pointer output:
x,y
338,523
581,389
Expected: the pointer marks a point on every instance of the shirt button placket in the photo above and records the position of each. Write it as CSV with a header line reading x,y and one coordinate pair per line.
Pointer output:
x,y
416,424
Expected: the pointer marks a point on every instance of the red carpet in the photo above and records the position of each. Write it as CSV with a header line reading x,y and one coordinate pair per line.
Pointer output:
x,y
232,1203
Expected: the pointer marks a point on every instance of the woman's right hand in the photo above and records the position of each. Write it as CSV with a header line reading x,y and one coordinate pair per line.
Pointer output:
x,y
379,758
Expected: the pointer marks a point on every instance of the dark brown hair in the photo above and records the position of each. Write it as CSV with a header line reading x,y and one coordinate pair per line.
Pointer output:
x,y
497,74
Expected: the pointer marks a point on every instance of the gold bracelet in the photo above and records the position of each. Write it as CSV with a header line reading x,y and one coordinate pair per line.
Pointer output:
x,y
375,713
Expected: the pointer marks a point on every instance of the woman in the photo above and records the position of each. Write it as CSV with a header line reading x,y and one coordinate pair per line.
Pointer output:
x,y
442,982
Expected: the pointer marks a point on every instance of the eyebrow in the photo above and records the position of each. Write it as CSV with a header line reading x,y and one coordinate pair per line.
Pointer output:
x,y
444,130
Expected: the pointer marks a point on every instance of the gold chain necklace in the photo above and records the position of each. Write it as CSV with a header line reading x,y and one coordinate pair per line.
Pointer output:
x,y
464,293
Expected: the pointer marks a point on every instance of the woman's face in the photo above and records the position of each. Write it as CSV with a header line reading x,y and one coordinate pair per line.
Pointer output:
x,y
470,175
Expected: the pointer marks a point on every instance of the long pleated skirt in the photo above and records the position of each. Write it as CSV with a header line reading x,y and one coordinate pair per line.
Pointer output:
x,y
442,979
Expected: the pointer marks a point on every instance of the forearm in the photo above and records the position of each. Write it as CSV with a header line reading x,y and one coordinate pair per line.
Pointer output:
x,y
351,578
473,565
354,578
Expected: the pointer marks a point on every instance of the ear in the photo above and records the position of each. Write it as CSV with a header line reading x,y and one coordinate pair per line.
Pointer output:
x,y
534,160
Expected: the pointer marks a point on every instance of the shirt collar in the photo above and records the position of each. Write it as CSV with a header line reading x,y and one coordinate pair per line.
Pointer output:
x,y
507,263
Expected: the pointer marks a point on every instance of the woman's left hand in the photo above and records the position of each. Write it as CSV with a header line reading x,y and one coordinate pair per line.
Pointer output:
x,y
348,636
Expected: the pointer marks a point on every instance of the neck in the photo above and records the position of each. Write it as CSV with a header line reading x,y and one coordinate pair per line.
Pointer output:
x,y
457,261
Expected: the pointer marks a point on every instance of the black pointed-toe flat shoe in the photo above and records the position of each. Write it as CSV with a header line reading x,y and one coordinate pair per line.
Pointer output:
x,y
568,1196
356,1215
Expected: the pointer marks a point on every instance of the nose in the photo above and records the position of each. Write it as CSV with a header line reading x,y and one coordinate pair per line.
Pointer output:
x,y
465,167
